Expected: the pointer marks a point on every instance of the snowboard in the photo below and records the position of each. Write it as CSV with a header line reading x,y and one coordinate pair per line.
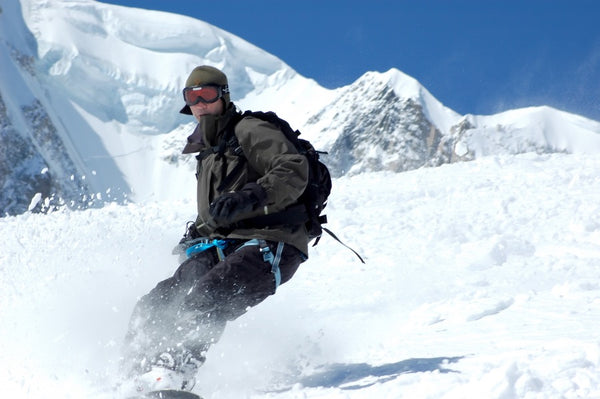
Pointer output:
x,y
167,394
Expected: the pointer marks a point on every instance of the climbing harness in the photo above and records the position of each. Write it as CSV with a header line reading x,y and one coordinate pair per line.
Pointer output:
x,y
268,256
205,244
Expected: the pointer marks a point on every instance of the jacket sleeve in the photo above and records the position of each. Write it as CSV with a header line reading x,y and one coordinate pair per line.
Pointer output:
x,y
283,171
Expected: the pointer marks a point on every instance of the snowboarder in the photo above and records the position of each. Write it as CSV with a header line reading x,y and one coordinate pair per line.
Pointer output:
x,y
230,266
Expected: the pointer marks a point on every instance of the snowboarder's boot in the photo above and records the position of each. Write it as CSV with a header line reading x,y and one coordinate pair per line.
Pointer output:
x,y
168,371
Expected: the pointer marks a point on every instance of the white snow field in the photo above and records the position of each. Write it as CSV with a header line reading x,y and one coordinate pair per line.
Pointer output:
x,y
482,281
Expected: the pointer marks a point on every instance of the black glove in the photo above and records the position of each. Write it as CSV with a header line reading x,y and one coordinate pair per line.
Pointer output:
x,y
227,207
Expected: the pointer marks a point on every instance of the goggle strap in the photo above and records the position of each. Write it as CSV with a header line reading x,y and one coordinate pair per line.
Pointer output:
x,y
224,89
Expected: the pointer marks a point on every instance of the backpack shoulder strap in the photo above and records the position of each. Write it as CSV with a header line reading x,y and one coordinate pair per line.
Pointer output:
x,y
229,140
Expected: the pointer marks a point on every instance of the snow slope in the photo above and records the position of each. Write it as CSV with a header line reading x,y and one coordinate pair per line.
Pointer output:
x,y
482,281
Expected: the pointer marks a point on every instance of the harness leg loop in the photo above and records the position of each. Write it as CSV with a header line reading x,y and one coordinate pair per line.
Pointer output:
x,y
269,257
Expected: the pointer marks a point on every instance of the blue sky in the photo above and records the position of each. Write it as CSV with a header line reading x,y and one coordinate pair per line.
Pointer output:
x,y
477,56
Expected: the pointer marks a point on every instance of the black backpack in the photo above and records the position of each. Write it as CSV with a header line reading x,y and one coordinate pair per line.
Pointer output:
x,y
313,200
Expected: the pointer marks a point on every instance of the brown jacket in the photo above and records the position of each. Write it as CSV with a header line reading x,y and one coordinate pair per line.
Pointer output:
x,y
272,162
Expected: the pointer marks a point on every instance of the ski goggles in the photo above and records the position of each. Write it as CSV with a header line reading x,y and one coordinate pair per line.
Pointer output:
x,y
206,94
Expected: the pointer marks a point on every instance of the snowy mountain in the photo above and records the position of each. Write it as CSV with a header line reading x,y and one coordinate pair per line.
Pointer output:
x,y
389,121
90,93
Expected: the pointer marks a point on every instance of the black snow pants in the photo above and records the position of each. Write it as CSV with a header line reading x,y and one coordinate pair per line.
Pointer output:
x,y
186,313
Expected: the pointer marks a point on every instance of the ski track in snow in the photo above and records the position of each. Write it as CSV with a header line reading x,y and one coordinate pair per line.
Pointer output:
x,y
482,281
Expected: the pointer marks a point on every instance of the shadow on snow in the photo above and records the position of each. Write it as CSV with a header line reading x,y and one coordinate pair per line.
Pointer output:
x,y
361,375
